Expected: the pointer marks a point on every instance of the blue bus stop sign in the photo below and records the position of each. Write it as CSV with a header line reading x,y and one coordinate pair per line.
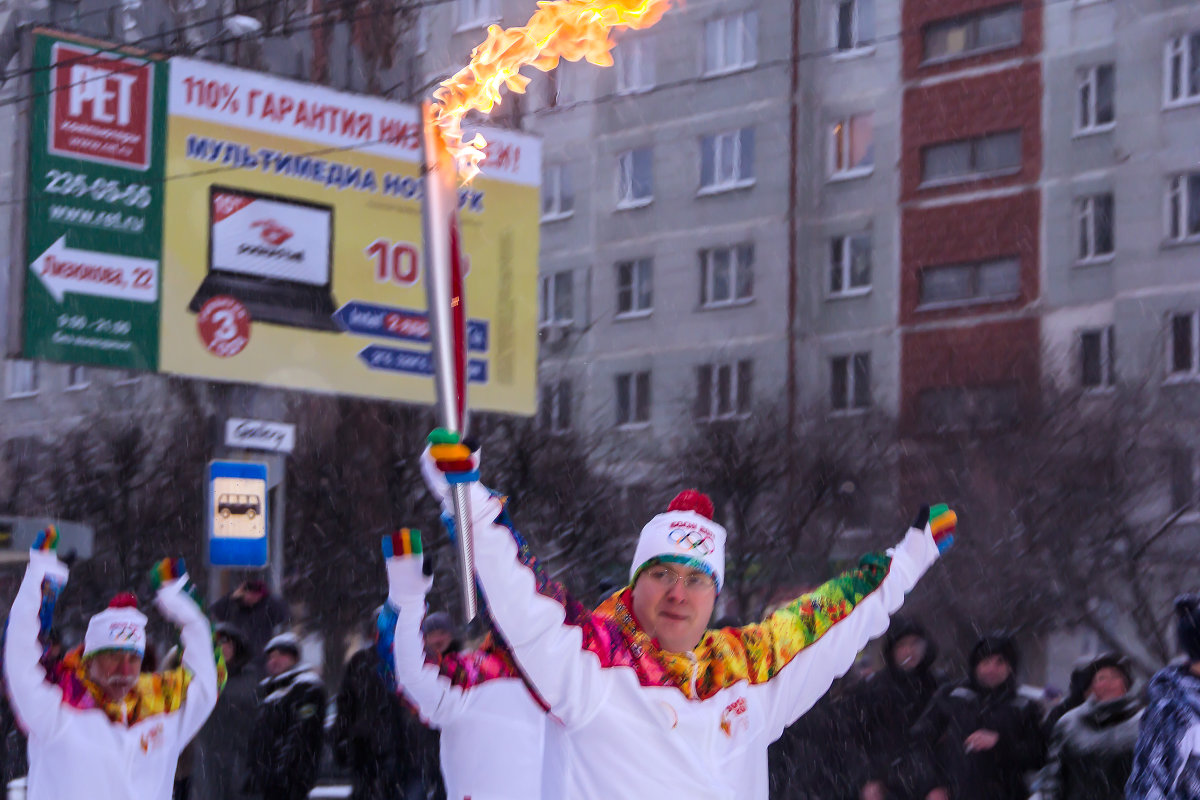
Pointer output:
x,y
237,514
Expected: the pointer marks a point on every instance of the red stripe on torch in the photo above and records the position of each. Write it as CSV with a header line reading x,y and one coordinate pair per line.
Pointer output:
x,y
458,311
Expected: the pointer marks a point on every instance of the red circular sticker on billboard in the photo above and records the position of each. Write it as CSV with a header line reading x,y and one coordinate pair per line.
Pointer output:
x,y
224,326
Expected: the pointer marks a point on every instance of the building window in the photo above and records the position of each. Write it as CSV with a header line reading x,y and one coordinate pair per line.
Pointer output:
x,y
1184,355
474,13
977,33
726,275
558,196
1183,69
959,408
633,398
23,378
635,180
1094,221
1097,111
635,64
854,24
1097,358
731,43
557,299
971,159
727,160
962,284
77,377
850,382
851,147
555,408
850,264
723,391
1183,207
635,287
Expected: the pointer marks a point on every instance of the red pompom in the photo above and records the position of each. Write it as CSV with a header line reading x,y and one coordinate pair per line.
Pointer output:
x,y
123,600
692,500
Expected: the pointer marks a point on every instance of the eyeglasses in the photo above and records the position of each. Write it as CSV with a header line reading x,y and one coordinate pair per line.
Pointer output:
x,y
693,581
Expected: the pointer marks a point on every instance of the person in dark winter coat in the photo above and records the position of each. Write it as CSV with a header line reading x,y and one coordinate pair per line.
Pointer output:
x,y
884,708
258,614
369,734
1166,761
1091,749
1081,676
289,729
809,762
980,735
223,744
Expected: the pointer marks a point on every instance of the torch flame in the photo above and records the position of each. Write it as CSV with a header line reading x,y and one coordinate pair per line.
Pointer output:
x,y
570,29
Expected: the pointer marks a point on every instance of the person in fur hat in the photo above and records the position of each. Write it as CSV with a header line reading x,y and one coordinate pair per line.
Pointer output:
x,y
1166,761
1091,747
98,727
653,703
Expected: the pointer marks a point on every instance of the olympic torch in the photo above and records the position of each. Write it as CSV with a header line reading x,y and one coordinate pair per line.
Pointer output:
x,y
445,291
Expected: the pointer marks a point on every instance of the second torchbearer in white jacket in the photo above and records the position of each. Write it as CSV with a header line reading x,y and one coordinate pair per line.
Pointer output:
x,y
654,704
495,732
99,728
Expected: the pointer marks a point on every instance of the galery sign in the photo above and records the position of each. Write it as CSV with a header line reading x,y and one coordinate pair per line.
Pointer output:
x,y
257,434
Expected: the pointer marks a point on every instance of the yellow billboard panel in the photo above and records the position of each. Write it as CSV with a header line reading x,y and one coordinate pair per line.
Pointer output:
x,y
292,248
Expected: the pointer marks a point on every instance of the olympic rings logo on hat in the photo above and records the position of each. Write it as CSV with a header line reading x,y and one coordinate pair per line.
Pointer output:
x,y
123,632
694,539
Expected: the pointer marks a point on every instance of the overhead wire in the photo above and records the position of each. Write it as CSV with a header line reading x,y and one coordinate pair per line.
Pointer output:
x,y
758,66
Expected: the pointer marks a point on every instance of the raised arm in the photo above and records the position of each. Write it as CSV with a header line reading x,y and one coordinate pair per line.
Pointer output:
x,y
36,702
549,633
815,638
202,676
438,701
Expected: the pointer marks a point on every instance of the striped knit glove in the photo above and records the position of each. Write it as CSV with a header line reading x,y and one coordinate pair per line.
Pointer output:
x,y
941,523
447,461
46,540
45,546
404,559
169,570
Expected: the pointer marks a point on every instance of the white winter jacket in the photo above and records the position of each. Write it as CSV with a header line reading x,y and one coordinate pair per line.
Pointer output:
x,y
494,733
75,750
633,727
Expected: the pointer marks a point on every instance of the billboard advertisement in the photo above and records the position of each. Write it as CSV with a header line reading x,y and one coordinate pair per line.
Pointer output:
x,y
211,222
292,243
93,237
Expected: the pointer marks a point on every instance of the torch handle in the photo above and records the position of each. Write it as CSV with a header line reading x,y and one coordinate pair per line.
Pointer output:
x,y
466,549
445,287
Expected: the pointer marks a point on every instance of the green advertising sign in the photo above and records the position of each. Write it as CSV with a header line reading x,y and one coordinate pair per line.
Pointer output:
x,y
93,231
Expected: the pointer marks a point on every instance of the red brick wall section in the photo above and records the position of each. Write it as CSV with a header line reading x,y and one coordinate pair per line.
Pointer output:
x,y
966,232
976,355
958,109
917,13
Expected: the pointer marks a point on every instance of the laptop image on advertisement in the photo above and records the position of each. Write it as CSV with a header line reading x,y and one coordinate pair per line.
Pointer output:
x,y
274,254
